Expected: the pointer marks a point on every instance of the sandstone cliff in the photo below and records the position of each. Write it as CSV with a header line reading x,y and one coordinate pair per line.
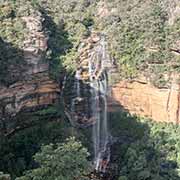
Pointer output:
x,y
144,99
35,89
138,97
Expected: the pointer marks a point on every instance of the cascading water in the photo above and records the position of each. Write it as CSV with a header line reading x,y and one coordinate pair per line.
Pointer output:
x,y
99,89
76,88
78,77
89,104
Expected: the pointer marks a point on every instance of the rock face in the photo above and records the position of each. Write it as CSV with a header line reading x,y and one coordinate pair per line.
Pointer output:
x,y
146,100
35,89
77,95
94,63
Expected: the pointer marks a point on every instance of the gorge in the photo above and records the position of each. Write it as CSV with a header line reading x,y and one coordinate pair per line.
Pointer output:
x,y
89,90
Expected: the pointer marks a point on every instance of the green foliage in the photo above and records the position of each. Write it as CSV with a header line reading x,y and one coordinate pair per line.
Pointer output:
x,y
147,150
65,22
69,25
13,29
50,111
138,32
6,11
65,161
16,152
70,60
122,178
43,127
140,37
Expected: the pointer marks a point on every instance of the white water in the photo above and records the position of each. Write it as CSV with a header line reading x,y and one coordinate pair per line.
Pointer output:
x,y
99,89
98,75
76,88
77,82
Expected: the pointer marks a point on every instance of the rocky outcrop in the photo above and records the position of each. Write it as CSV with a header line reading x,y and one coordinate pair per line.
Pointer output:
x,y
92,63
35,89
142,98
28,94
77,91
35,46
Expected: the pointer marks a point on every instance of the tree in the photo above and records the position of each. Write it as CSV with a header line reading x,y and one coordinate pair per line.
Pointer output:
x,y
65,161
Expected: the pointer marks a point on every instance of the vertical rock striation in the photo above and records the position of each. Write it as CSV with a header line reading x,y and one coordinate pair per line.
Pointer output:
x,y
35,89
144,99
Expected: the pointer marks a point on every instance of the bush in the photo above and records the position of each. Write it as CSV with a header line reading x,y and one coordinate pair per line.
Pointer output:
x,y
65,161
146,150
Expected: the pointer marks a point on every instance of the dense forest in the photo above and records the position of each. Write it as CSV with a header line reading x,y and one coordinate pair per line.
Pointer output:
x,y
143,38
143,35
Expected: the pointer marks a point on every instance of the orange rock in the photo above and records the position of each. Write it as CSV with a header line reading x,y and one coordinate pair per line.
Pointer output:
x,y
147,101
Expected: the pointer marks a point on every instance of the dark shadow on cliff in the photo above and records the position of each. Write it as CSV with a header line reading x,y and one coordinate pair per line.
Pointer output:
x,y
38,128
58,44
11,63
38,125
12,67
143,149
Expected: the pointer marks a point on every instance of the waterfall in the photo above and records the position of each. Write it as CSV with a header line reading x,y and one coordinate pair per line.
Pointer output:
x,y
89,100
76,89
77,82
99,90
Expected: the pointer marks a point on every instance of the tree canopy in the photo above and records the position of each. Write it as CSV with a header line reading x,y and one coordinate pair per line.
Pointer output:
x,y
65,161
